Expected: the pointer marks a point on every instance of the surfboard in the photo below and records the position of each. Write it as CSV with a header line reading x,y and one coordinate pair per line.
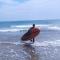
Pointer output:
x,y
30,34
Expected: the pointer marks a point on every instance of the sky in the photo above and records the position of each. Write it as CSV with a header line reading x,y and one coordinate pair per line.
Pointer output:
x,y
29,10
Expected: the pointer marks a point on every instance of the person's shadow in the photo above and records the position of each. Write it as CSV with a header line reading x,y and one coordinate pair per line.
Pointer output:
x,y
31,53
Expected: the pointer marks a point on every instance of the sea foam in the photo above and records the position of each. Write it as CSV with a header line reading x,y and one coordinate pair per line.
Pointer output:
x,y
36,43
16,28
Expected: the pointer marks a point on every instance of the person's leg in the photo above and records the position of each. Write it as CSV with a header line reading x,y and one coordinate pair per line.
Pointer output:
x,y
33,40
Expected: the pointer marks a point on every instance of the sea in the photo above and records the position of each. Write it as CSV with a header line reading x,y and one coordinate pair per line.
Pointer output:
x,y
45,47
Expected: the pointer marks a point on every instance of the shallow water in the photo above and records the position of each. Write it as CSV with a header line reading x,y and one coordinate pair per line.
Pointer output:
x,y
46,46
10,51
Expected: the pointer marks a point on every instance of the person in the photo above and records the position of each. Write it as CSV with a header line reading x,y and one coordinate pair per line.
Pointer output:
x,y
31,34
30,30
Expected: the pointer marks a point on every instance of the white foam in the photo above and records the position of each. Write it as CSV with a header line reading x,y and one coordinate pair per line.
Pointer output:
x,y
36,43
40,26
16,43
26,27
47,43
9,30
20,26
16,28
54,28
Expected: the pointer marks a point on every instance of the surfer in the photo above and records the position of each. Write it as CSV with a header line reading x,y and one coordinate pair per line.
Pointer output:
x,y
31,34
30,30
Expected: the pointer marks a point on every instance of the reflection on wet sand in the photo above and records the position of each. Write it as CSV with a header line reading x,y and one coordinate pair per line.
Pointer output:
x,y
32,55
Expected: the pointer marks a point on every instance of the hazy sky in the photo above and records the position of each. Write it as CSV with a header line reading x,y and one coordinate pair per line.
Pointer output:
x,y
29,9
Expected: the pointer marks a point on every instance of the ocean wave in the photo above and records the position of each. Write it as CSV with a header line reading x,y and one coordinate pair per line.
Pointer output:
x,y
44,26
54,27
48,43
23,26
15,28
36,43
9,30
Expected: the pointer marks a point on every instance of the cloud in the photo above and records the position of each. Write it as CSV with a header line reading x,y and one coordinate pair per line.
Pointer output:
x,y
29,9
12,2
20,1
8,2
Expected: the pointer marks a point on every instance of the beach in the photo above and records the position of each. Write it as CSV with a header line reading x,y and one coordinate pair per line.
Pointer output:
x,y
29,29
45,47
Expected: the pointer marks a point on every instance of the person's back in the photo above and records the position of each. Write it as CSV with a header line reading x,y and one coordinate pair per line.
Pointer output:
x,y
30,30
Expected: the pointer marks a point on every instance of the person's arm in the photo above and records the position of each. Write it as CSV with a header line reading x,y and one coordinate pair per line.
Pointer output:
x,y
30,30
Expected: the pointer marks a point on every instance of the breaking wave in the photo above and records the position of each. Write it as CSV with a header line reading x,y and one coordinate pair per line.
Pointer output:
x,y
36,43
16,28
